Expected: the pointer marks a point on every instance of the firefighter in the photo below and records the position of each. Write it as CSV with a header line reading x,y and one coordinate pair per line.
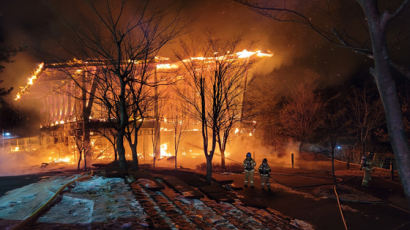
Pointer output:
x,y
362,161
367,166
264,171
249,168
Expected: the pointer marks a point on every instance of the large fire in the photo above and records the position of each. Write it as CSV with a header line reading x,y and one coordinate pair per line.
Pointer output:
x,y
244,54
62,107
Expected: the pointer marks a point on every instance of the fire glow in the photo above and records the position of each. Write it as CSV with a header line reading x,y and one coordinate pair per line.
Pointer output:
x,y
244,54
160,64
164,149
30,82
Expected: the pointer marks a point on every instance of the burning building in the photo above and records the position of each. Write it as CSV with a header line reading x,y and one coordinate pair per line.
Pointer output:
x,y
64,92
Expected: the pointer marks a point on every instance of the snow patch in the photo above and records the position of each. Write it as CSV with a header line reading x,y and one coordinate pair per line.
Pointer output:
x,y
348,208
96,200
20,203
301,224
96,184
70,211
145,183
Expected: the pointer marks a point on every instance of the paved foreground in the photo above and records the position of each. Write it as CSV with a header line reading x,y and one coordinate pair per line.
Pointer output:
x,y
308,195
155,201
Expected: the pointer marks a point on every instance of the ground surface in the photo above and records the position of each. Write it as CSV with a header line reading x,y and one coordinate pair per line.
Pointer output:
x,y
155,199
308,195
182,199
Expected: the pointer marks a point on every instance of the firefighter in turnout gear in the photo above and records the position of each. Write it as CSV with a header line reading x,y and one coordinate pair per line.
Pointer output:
x,y
367,166
249,168
264,171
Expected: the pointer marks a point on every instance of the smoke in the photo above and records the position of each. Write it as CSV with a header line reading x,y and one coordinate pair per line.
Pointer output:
x,y
44,26
41,27
28,162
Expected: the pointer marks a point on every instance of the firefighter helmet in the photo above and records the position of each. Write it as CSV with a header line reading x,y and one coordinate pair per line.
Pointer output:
x,y
265,160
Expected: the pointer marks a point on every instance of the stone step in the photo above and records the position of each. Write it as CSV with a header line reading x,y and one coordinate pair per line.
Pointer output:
x,y
156,217
181,187
235,216
172,211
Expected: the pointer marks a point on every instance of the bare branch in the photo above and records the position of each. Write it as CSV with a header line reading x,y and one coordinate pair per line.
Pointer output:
x,y
387,17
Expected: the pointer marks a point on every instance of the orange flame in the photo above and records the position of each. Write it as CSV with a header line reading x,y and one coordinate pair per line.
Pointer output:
x,y
247,54
30,82
164,66
167,66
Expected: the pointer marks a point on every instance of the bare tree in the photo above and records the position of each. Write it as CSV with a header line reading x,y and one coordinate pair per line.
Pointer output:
x,y
366,115
232,111
141,100
82,93
299,117
215,83
335,124
109,134
178,120
124,47
377,21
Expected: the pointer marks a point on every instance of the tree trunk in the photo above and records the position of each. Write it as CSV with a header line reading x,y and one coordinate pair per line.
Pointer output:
x,y
123,120
86,146
388,92
176,145
223,159
115,153
134,155
133,145
209,169
79,161
221,144
121,150
85,160
157,128
333,145
176,155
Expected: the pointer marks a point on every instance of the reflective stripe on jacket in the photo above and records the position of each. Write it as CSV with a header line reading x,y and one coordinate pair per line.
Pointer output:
x,y
264,169
249,164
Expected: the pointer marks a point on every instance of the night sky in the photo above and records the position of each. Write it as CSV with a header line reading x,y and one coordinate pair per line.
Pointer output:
x,y
40,27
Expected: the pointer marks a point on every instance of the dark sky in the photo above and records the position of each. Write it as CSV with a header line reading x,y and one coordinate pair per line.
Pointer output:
x,y
299,53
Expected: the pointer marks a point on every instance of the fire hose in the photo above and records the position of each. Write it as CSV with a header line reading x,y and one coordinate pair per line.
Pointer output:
x,y
340,207
36,214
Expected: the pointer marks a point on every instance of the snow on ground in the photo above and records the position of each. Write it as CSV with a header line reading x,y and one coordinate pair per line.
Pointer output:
x,y
301,224
70,210
20,203
105,200
96,200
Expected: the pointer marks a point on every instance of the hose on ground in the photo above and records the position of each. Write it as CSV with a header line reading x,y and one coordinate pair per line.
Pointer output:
x,y
340,207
